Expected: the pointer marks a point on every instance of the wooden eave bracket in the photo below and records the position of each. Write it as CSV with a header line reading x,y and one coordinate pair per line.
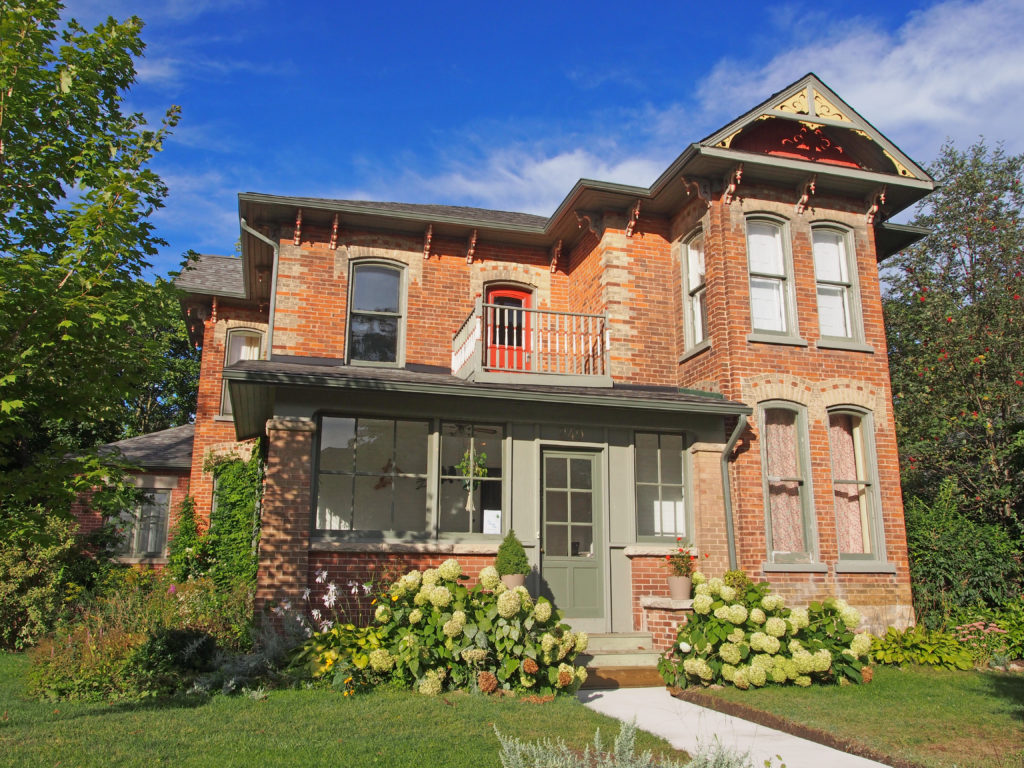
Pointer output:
x,y
556,253
471,247
732,181
297,237
427,237
213,310
805,191
634,217
875,202
334,233
700,188
594,219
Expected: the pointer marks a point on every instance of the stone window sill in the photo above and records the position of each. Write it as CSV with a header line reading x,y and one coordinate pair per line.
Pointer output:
x,y
140,560
864,566
773,338
849,345
666,603
695,350
399,547
794,567
652,550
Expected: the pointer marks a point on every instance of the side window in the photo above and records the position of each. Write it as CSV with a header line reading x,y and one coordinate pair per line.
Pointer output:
x,y
833,274
375,314
144,529
853,483
660,486
471,476
241,344
372,475
695,299
771,307
784,461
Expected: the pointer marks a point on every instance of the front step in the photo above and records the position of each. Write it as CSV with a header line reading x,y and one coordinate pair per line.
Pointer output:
x,y
607,678
620,660
620,641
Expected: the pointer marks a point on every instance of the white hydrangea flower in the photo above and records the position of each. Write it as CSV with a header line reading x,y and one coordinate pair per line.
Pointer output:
x,y
412,580
381,660
582,640
685,647
702,589
423,596
489,577
450,570
715,584
772,644
524,596
430,684
430,577
804,662
757,641
698,579
737,613
548,642
757,616
702,604
728,671
454,626
440,597
860,645
763,661
756,676
722,613
728,593
798,618
729,653
772,602
849,615
509,604
415,616
822,660
736,636
542,611
740,679
382,614
803,681
581,675
775,626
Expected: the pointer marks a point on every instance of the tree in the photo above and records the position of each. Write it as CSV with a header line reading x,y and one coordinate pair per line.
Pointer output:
x,y
954,313
76,194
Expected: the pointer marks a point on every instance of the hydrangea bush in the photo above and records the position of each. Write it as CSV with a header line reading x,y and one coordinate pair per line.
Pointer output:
x,y
434,633
744,635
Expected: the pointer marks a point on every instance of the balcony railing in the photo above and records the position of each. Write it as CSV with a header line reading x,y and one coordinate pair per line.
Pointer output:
x,y
502,343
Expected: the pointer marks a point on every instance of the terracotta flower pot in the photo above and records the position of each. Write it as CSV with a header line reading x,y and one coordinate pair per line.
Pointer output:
x,y
679,587
513,580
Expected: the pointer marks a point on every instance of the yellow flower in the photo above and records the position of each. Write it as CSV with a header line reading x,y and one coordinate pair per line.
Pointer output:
x,y
348,680
394,598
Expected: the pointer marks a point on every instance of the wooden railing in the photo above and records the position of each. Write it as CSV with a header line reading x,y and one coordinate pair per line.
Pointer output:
x,y
497,340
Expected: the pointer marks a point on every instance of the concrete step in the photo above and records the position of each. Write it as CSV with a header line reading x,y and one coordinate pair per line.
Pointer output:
x,y
620,641
625,658
606,678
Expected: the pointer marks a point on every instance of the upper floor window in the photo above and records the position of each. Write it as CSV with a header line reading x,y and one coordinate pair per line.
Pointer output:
x,y
660,489
833,275
375,314
853,483
696,320
241,344
770,293
144,529
784,460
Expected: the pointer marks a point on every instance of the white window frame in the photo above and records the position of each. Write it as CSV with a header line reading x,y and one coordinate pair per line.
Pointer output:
x,y
225,399
695,297
401,315
781,279
806,492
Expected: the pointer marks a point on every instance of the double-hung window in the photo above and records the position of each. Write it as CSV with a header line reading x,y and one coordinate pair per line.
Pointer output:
x,y
660,488
853,483
696,320
832,273
785,461
144,529
241,344
375,314
770,292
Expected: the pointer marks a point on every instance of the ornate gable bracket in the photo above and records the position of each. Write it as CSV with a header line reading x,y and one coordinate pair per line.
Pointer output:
x,y
297,236
471,247
875,202
594,219
805,191
427,237
634,217
334,233
556,253
732,181
700,188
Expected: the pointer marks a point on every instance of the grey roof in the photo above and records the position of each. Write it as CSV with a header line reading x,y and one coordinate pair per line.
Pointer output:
x,y
166,449
428,211
213,276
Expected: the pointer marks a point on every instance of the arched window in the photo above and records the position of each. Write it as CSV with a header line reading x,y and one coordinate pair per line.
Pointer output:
x,y
375,317
240,344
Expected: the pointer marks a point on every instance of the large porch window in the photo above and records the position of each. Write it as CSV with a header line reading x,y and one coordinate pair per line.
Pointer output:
x,y
660,487
470,497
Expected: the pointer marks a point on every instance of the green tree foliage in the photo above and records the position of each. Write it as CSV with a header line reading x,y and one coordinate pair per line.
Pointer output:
x,y
954,313
232,541
76,195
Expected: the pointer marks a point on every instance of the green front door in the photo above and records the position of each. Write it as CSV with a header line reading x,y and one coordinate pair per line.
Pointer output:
x,y
571,542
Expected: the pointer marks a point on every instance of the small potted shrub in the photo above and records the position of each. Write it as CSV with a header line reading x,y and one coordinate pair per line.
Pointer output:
x,y
681,565
511,561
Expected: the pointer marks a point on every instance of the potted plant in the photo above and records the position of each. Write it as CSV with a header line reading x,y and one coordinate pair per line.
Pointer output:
x,y
681,565
511,561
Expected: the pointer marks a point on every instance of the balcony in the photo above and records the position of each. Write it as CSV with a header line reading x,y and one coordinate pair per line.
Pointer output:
x,y
506,344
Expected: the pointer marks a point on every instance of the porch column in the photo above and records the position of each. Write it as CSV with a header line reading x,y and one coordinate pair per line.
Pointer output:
x,y
709,507
286,517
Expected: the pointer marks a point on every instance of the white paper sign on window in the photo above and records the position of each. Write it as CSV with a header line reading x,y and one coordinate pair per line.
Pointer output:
x,y
669,518
492,521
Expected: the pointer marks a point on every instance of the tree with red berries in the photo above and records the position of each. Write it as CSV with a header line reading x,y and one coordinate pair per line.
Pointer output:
x,y
954,312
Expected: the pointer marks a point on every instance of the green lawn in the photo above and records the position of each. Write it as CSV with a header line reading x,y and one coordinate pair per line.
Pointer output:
x,y
289,728
923,715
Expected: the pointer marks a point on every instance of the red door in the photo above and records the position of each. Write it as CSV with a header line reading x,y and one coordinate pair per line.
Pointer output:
x,y
508,329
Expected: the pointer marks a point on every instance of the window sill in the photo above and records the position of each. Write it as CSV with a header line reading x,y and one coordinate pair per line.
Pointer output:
x,y
794,567
654,550
864,566
374,364
413,547
772,338
850,345
142,560
666,603
695,350
223,417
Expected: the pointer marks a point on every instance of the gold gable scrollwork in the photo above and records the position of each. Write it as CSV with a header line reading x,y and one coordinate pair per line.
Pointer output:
x,y
824,108
797,103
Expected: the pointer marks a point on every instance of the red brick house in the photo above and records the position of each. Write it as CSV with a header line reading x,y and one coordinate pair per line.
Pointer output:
x,y
703,358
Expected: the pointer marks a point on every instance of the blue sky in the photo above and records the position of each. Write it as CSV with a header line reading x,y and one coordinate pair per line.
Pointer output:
x,y
506,105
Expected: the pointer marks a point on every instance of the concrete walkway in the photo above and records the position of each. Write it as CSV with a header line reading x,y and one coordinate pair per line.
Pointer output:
x,y
687,726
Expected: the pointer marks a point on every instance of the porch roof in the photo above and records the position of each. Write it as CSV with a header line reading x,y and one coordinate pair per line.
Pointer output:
x,y
252,384
166,449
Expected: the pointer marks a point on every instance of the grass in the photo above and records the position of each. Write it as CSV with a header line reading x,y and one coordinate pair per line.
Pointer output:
x,y
288,728
932,717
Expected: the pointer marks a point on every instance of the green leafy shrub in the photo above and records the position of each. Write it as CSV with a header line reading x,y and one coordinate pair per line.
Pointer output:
x,y
920,645
187,556
143,635
748,637
433,633
232,540
511,558
1009,618
956,562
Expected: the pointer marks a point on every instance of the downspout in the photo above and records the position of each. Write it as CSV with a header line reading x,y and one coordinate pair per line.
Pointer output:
x,y
273,285
730,533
